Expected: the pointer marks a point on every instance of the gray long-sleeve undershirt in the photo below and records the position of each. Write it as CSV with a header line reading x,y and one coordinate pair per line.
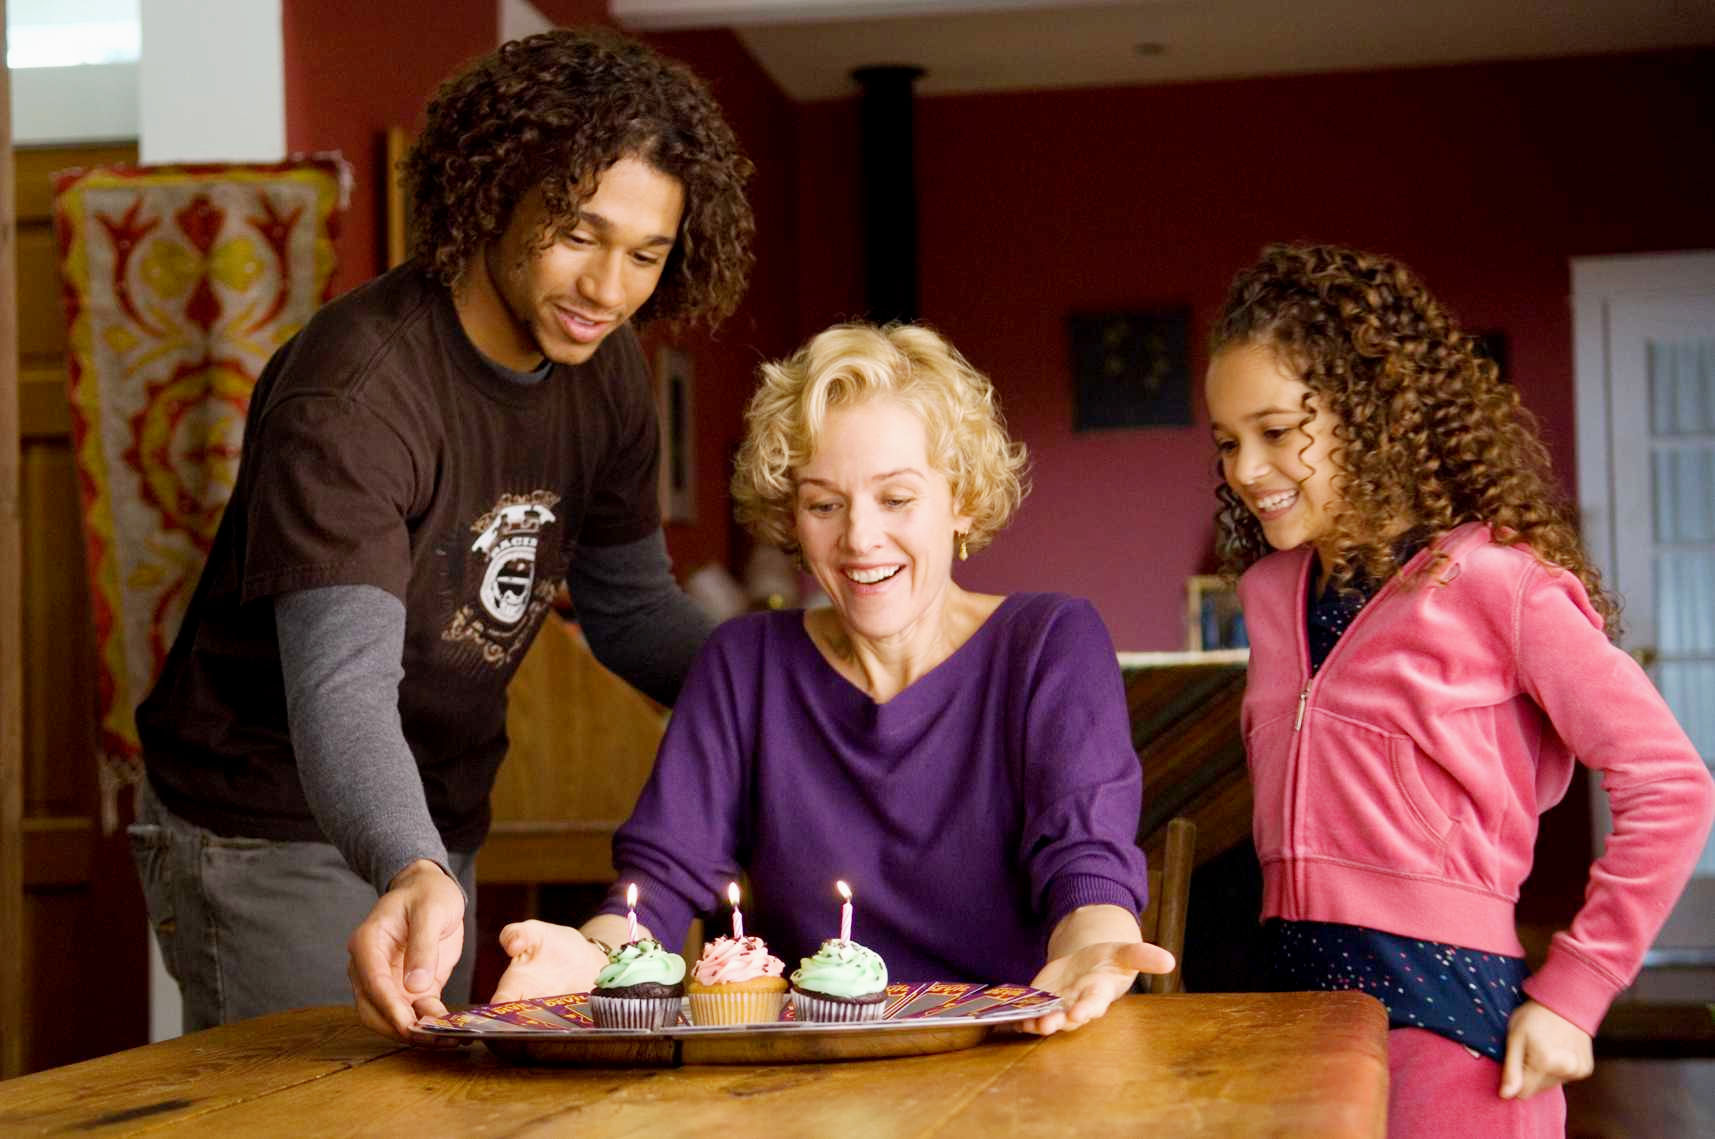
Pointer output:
x,y
341,649
639,623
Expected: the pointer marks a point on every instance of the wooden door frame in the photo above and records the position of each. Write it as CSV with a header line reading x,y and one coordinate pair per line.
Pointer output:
x,y
1595,282
11,615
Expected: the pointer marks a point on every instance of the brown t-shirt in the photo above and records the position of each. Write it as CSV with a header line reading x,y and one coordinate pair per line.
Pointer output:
x,y
382,450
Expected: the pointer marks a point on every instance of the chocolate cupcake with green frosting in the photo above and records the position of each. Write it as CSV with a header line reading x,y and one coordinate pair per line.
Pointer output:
x,y
843,983
639,987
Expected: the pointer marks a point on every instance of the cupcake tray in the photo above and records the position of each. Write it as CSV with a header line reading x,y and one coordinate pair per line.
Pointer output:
x,y
917,1018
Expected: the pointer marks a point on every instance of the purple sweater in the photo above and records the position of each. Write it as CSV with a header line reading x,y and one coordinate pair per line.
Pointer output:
x,y
969,814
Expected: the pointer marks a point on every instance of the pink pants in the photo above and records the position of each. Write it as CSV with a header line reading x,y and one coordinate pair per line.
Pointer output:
x,y
1440,1091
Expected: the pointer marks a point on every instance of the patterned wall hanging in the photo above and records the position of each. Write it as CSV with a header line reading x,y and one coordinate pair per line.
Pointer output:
x,y
179,283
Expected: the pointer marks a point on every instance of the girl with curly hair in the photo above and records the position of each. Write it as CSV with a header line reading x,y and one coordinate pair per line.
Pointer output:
x,y
1430,649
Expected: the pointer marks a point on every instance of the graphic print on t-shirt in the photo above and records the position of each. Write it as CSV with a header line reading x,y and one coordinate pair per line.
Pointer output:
x,y
509,598
508,539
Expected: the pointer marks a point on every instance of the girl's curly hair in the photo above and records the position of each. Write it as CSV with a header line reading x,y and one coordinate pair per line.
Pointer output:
x,y
846,365
1427,436
557,109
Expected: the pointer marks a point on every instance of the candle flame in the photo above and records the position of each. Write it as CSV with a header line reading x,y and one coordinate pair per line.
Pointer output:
x,y
845,890
631,895
732,893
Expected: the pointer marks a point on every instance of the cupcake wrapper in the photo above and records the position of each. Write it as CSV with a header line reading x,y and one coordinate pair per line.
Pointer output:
x,y
736,1008
835,1012
634,1012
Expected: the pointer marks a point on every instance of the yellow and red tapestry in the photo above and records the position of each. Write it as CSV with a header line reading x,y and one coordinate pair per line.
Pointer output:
x,y
179,283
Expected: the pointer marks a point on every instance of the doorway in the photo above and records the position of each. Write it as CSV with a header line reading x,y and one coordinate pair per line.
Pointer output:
x,y
1644,359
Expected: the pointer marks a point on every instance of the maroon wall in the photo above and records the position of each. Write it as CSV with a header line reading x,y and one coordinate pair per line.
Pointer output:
x,y
354,70
1485,178
767,324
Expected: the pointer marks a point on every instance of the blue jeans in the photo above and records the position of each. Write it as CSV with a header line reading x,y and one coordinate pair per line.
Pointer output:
x,y
249,926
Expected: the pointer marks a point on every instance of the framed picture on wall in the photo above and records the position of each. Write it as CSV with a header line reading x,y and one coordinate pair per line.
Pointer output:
x,y
678,437
1213,620
1131,368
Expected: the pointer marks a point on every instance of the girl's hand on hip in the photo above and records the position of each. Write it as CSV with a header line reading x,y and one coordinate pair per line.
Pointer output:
x,y
1544,1050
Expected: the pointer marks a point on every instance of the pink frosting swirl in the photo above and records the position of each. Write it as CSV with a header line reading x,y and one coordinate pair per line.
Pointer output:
x,y
725,959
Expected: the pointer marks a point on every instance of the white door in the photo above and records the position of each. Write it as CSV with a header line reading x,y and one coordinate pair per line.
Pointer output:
x,y
1645,334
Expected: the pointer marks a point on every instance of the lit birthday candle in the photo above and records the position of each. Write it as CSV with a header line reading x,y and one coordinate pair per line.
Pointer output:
x,y
737,918
845,911
631,908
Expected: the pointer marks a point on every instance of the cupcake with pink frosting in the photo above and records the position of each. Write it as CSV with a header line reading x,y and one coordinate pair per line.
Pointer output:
x,y
736,981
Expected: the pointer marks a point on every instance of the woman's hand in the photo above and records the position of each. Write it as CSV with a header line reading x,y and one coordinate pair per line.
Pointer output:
x,y
1091,979
1544,1050
547,960
1094,955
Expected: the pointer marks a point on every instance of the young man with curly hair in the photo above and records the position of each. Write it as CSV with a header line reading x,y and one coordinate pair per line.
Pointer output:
x,y
423,465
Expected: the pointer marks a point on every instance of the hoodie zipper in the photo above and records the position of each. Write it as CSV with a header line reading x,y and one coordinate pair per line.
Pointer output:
x,y
1301,600
1301,744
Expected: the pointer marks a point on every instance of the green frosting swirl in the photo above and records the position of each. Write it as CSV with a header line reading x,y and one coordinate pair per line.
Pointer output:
x,y
842,969
639,962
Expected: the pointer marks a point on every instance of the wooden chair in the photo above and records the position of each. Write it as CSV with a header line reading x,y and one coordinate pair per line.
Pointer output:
x,y
1171,856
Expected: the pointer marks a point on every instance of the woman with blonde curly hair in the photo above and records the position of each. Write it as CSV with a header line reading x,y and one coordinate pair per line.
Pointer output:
x,y
1430,649
963,760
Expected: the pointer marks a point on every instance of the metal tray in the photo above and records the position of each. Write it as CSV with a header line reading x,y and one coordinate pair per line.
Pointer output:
x,y
919,1018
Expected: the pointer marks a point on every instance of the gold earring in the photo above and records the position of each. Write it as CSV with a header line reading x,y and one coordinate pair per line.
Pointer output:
x,y
964,550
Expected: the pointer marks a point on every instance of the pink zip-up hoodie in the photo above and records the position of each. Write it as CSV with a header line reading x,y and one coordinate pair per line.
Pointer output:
x,y
1399,788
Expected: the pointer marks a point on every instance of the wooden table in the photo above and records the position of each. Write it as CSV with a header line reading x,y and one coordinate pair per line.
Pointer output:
x,y
1311,1064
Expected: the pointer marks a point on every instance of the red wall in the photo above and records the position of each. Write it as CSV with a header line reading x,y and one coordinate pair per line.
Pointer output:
x,y
1487,179
354,70
766,326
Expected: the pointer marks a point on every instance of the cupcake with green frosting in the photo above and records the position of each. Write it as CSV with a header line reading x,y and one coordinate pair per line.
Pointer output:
x,y
640,987
843,982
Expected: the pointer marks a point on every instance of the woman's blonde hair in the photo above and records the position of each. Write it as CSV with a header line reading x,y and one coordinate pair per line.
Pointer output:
x,y
846,365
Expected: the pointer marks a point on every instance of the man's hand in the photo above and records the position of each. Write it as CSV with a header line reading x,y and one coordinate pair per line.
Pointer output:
x,y
401,956
1544,1049
547,960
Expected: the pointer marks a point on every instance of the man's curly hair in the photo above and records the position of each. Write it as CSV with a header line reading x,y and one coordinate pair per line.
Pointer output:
x,y
1427,436
557,109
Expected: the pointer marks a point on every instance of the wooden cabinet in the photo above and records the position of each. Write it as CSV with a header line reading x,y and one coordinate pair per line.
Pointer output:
x,y
11,652
81,929
582,744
